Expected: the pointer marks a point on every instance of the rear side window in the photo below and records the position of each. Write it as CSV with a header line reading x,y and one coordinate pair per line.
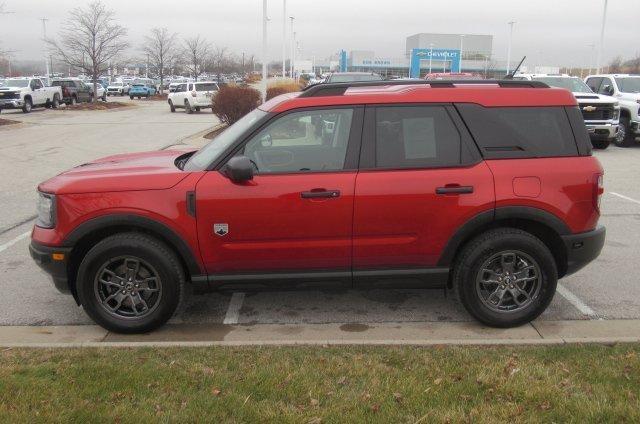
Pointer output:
x,y
206,87
520,132
416,137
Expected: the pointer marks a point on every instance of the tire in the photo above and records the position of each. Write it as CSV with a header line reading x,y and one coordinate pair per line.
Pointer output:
x,y
197,109
154,258
172,107
74,100
501,243
187,107
131,97
624,138
104,97
56,102
600,144
28,105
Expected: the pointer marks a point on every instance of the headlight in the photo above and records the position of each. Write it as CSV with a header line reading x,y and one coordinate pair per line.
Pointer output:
x,y
46,210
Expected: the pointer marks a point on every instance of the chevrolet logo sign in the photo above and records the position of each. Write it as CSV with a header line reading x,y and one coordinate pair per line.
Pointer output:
x,y
589,108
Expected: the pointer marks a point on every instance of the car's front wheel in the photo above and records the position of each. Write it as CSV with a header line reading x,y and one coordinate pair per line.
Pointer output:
x,y
171,106
26,108
600,144
130,283
505,277
624,137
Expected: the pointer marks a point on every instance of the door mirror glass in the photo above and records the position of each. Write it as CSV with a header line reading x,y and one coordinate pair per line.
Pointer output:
x,y
239,169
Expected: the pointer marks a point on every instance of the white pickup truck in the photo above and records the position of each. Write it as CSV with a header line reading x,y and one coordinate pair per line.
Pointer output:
x,y
625,89
27,93
601,113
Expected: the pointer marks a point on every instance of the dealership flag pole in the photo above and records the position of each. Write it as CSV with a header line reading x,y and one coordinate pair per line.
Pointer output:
x,y
284,38
509,48
292,47
604,20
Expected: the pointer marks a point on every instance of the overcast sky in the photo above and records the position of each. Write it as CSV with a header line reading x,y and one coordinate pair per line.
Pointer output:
x,y
549,32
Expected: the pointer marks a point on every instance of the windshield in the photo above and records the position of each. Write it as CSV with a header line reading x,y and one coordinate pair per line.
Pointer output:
x,y
575,85
16,83
354,78
117,84
206,87
628,84
211,151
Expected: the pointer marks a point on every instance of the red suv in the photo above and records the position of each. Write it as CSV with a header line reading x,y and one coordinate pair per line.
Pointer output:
x,y
485,187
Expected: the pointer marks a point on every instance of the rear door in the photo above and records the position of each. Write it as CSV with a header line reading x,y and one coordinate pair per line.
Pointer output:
x,y
420,179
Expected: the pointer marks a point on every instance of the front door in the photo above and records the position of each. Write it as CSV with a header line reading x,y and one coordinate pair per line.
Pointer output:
x,y
296,215
420,180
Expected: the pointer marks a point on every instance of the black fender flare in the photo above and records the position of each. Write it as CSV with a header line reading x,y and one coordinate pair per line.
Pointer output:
x,y
140,222
487,218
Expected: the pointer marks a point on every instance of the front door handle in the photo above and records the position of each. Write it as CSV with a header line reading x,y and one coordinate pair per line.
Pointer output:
x,y
318,193
454,189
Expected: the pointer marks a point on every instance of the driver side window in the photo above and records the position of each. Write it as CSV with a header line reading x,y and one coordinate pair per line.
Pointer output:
x,y
306,141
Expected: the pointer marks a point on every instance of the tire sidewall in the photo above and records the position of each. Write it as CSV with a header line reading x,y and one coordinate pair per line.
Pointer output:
x,y
470,266
170,277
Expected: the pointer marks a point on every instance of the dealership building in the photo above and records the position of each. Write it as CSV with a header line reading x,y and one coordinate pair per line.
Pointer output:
x,y
426,53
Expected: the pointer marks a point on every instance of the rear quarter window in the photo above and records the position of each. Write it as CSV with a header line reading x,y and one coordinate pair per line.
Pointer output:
x,y
520,132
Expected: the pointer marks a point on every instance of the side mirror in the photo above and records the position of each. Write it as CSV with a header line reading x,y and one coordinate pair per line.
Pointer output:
x,y
239,169
608,89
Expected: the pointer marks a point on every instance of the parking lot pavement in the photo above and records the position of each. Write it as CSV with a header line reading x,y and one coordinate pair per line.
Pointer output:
x,y
54,140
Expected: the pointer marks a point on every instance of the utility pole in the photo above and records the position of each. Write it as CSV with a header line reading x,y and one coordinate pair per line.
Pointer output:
x,y
284,38
604,20
264,50
292,47
44,41
511,23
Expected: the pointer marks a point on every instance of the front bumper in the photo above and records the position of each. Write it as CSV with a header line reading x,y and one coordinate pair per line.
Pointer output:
x,y
635,127
11,104
583,248
602,131
57,269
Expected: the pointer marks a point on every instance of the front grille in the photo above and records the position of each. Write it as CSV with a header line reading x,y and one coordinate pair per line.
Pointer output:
x,y
9,95
602,112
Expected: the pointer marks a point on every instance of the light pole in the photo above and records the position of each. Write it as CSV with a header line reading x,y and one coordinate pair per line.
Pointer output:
x,y
264,50
461,44
44,40
284,38
430,56
604,20
292,48
593,47
511,23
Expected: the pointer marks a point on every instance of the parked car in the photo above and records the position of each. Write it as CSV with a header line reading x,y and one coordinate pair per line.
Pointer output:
x,y
142,90
193,96
626,89
27,93
101,91
117,88
486,189
74,90
352,77
601,113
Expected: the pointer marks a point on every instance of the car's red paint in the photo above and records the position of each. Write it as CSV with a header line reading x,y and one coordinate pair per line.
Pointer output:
x,y
400,221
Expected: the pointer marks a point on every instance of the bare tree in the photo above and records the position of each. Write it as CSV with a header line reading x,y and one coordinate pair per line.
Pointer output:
x,y
161,48
90,39
196,54
615,65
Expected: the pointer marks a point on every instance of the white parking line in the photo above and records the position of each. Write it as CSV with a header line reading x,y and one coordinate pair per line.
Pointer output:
x,y
10,243
575,301
233,311
622,196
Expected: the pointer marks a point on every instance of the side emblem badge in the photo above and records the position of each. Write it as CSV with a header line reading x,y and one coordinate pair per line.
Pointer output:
x,y
221,229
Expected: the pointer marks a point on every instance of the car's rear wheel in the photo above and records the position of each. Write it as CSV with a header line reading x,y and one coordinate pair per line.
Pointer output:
x,y
187,107
505,277
197,109
625,137
171,106
74,100
131,97
56,102
130,283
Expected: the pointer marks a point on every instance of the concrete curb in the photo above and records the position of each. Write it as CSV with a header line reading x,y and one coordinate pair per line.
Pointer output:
x,y
197,136
374,334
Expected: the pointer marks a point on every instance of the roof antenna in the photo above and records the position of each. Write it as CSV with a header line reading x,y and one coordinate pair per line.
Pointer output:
x,y
515,70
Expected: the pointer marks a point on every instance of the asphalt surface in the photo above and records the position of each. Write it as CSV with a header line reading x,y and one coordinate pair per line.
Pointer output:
x,y
51,141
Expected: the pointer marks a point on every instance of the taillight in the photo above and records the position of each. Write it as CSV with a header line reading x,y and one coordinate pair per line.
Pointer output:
x,y
193,94
598,190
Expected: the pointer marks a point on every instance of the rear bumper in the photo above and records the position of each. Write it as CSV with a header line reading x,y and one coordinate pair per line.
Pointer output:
x,y
57,269
583,248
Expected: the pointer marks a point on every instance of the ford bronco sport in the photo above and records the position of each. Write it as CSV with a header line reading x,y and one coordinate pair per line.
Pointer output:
x,y
485,187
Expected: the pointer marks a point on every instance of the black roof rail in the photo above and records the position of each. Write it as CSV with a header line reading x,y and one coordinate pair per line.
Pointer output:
x,y
339,88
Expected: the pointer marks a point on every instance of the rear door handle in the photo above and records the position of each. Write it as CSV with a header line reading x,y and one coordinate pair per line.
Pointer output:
x,y
320,193
454,189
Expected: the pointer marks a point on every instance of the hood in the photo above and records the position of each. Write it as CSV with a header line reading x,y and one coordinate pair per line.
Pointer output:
x,y
130,172
594,98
